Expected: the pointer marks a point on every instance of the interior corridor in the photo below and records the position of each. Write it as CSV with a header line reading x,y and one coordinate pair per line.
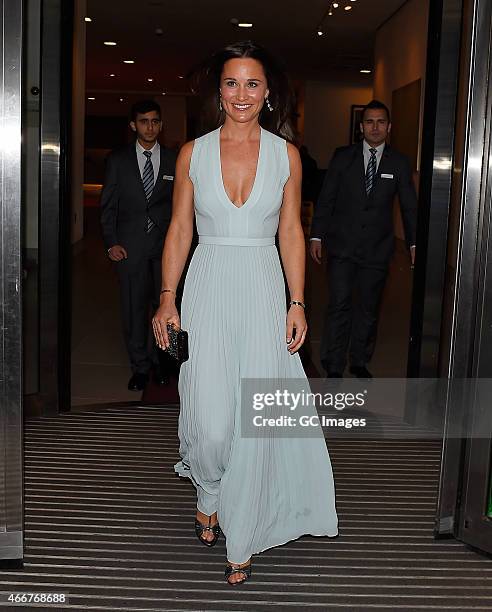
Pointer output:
x,y
100,369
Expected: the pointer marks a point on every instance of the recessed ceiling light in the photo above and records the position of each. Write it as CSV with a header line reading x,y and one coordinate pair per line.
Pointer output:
x,y
112,75
91,98
348,8
181,77
150,80
128,61
330,12
88,19
110,43
163,93
335,5
245,25
320,32
365,71
121,99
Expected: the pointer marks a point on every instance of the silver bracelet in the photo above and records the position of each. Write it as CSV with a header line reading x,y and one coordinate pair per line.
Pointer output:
x,y
296,303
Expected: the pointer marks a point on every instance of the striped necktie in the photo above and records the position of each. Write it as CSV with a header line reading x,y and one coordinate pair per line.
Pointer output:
x,y
148,185
371,171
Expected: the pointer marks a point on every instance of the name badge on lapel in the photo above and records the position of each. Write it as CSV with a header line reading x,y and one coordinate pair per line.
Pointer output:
x,y
387,176
167,177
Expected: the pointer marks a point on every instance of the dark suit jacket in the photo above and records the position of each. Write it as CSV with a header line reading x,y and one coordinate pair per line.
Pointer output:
x,y
353,225
124,207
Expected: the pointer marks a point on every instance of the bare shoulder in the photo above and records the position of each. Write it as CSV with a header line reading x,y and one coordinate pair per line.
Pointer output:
x,y
294,157
184,156
187,150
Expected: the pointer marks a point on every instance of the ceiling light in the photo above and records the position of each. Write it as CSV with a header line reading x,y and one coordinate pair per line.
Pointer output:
x,y
112,75
121,99
348,8
91,98
245,25
330,12
181,77
365,71
128,61
150,80
110,43
335,5
163,93
320,32
88,19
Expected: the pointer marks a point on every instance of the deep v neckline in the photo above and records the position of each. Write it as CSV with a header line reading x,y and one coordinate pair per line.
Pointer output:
x,y
221,176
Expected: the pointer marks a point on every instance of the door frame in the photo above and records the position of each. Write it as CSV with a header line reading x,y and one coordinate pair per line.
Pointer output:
x,y
468,430
55,248
474,526
11,417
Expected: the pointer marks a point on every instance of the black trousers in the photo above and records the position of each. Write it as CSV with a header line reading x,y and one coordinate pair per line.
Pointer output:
x,y
355,291
140,285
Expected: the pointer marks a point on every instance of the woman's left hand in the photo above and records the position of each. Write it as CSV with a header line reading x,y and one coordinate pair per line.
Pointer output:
x,y
296,321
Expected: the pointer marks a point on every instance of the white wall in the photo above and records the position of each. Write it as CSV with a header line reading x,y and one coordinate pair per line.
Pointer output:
x,y
327,116
401,50
400,58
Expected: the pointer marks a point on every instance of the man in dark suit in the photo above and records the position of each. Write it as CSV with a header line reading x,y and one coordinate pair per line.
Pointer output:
x,y
354,219
135,213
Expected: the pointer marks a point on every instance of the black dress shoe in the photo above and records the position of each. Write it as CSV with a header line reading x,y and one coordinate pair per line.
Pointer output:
x,y
360,371
138,382
160,378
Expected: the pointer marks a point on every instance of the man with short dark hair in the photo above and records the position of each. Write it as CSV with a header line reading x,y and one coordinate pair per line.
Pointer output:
x,y
354,219
135,213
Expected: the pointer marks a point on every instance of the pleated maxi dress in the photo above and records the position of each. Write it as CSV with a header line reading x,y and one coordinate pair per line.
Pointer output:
x,y
266,491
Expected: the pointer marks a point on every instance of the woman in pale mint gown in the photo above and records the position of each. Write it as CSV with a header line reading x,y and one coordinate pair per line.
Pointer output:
x,y
242,182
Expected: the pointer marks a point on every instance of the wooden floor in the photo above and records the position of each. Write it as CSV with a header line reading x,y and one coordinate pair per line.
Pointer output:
x,y
108,522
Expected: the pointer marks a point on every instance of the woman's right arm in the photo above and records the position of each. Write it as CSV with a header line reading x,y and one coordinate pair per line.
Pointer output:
x,y
176,247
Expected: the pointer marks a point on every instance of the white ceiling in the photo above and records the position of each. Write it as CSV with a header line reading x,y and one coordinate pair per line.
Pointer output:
x,y
192,29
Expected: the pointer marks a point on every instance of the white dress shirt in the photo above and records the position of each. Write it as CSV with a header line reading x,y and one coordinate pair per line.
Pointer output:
x,y
155,159
367,156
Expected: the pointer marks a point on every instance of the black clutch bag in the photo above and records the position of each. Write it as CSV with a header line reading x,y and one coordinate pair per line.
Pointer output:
x,y
178,344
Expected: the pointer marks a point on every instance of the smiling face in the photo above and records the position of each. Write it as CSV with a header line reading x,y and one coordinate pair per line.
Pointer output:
x,y
375,126
243,89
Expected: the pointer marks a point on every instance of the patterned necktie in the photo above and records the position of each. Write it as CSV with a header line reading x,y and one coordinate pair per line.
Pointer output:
x,y
148,185
371,171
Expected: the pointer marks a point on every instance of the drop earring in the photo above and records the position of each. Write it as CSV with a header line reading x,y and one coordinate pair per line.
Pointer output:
x,y
220,105
269,106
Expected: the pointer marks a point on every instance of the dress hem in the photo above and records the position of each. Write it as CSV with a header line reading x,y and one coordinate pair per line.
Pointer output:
x,y
183,473
304,533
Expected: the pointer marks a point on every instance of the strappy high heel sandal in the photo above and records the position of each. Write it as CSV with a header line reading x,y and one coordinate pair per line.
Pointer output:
x,y
200,529
230,569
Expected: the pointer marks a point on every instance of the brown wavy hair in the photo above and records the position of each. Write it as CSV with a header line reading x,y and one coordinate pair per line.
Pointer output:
x,y
205,81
